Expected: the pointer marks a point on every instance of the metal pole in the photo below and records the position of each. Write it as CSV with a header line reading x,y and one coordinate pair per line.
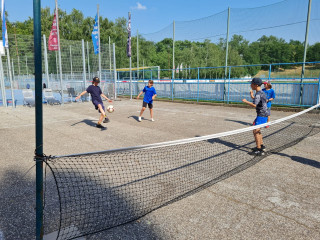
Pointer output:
x,y
227,51
305,50
99,42
114,71
27,65
46,59
84,64
10,77
130,81
15,38
3,86
39,127
88,59
71,60
318,95
143,69
59,50
229,84
198,85
137,54
173,67
269,77
110,67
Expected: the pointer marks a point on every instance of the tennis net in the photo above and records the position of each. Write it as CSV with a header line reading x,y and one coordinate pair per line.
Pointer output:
x,y
101,190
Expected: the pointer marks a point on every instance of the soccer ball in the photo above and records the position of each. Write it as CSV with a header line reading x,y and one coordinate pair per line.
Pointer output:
x,y
110,109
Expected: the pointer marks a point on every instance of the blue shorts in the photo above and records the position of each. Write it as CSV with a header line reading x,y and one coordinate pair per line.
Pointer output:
x,y
96,103
260,120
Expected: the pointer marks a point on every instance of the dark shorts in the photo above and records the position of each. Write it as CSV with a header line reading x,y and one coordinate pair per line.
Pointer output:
x,y
144,104
96,103
260,120
269,111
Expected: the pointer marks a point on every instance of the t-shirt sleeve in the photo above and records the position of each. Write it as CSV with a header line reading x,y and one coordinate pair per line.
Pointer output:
x,y
257,99
144,89
154,91
89,89
273,94
100,92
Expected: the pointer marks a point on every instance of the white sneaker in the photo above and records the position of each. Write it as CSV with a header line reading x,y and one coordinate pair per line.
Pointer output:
x,y
152,120
139,119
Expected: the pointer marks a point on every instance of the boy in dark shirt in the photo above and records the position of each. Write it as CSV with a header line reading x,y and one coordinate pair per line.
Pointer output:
x,y
260,103
96,95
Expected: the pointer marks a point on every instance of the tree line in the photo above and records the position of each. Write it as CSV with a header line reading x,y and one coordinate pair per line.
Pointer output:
x,y
266,50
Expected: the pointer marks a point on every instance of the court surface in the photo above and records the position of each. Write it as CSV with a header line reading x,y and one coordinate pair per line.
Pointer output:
x,y
277,198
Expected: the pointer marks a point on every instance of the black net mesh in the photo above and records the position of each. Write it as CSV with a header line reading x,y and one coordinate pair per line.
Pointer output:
x,y
98,191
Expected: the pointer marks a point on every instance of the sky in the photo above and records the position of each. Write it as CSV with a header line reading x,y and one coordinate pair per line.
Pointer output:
x,y
148,16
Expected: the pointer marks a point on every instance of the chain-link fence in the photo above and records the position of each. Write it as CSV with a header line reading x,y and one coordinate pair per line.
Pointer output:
x,y
78,64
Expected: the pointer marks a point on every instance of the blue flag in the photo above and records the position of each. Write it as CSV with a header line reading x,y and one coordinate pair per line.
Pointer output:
x,y
95,36
129,37
4,26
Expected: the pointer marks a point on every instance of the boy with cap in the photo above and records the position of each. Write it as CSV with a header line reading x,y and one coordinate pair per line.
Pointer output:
x,y
270,94
149,95
96,95
260,103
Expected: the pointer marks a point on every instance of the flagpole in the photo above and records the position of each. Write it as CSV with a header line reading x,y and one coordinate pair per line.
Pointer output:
x,y
99,42
59,51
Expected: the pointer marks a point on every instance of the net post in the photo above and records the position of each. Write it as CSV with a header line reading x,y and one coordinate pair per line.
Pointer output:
x,y
173,39
39,123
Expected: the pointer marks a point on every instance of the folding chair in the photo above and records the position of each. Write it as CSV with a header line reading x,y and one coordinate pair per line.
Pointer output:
x,y
49,98
28,98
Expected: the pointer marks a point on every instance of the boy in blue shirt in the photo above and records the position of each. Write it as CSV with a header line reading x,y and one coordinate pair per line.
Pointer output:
x,y
149,95
96,95
270,94
260,103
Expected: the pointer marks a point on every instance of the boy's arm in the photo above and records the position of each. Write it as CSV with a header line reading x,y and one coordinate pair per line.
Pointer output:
x,y
104,96
139,94
154,96
84,92
249,103
251,94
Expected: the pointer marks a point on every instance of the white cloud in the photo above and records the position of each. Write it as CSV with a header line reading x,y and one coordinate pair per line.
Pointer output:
x,y
140,7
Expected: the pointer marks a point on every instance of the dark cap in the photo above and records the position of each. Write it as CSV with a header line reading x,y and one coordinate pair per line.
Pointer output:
x,y
257,81
96,79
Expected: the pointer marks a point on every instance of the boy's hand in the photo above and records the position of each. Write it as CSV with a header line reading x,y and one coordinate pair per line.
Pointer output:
x,y
77,98
137,97
109,100
244,100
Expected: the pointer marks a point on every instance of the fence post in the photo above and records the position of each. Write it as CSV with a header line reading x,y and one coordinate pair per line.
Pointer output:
x,y
10,77
318,97
3,85
84,64
114,71
46,59
269,77
198,84
229,84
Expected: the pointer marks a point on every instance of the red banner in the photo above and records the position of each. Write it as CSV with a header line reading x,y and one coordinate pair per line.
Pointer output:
x,y
53,38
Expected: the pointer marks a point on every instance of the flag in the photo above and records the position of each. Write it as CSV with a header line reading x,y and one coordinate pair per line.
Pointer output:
x,y
53,44
129,37
4,26
95,36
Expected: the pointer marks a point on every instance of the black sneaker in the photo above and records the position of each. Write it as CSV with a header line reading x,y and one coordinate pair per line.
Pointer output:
x,y
257,152
106,120
263,148
99,125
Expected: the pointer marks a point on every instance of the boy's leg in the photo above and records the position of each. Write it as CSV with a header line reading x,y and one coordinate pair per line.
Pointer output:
x,y
142,110
257,137
151,113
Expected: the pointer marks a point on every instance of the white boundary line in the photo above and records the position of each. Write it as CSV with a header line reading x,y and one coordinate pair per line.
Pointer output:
x,y
195,139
